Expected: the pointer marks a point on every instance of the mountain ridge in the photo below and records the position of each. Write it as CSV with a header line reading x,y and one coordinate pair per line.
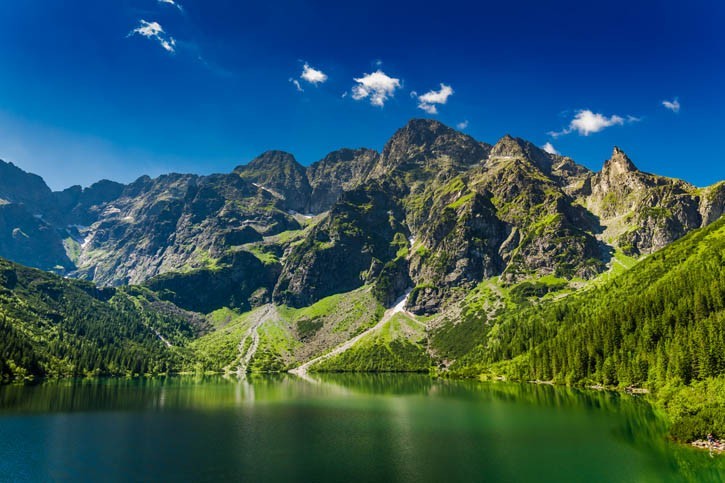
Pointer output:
x,y
456,211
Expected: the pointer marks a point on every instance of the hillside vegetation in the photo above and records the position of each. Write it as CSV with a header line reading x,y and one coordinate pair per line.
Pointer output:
x,y
660,325
56,327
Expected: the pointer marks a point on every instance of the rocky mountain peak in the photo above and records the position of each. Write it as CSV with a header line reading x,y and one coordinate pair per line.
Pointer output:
x,y
424,143
270,160
279,172
508,146
18,186
618,164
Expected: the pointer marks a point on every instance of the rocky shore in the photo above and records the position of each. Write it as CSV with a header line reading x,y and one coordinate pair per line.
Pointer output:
x,y
717,447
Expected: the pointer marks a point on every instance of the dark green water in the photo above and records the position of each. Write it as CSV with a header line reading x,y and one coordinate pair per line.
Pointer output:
x,y
334,428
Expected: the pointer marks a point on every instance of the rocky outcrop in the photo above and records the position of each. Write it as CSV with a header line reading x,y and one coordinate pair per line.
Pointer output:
x,y
642,212
336,173
240,280
347,249
177,222
712,203
279,174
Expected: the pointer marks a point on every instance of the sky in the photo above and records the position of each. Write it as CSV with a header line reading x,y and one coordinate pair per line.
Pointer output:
x,y
120,88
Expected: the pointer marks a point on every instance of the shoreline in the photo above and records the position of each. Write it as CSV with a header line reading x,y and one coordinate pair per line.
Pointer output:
x,y
718,447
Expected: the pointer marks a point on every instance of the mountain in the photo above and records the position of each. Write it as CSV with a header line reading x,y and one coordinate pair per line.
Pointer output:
x,y
435,211
442,212
279,174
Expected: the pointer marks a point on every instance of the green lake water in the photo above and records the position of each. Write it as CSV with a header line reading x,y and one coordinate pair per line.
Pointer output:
x,y
335,428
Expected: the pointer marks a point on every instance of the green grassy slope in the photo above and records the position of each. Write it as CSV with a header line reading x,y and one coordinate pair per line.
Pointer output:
x,y
288,338
399,345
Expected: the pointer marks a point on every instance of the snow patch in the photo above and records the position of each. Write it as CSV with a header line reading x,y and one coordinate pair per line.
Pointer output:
x,y
87,240
269,190
294,213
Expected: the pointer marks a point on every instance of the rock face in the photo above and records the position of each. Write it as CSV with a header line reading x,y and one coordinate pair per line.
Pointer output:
x,y
436,212
642,212
280,174
19,187
339,171
177,222
346,249
240,281
29,240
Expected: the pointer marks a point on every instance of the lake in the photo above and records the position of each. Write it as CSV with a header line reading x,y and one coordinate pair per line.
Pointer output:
x,y
334,428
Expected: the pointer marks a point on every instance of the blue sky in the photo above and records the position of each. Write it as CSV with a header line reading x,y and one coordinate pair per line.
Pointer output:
x,y
88,91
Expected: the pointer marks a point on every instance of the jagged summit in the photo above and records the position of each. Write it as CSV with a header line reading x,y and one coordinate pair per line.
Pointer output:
x,y
419,133
280,173
269,160
427,143
19,186
509,147
619,163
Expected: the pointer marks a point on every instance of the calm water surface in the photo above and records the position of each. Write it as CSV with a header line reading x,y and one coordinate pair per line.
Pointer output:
x,y
334,428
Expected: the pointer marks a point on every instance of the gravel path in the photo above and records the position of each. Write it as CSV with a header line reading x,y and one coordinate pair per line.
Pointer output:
x,y
245,357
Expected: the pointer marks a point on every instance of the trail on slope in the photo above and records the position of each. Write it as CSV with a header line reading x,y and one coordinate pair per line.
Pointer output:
x,y
245,356
397,308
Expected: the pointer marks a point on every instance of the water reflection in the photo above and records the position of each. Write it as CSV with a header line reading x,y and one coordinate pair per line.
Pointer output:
x,y
413,427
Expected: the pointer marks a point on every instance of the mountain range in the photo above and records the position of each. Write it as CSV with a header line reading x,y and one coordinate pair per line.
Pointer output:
x,y
440,254
436,211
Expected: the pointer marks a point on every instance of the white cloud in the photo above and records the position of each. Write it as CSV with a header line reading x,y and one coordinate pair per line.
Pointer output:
x,y
549,148
153,30
428,101
172,2
378,87
313,76
673,105
586,122
297,84
462,125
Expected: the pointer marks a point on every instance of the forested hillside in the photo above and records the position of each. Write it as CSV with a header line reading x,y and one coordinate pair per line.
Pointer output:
x,y
57,327
661,326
